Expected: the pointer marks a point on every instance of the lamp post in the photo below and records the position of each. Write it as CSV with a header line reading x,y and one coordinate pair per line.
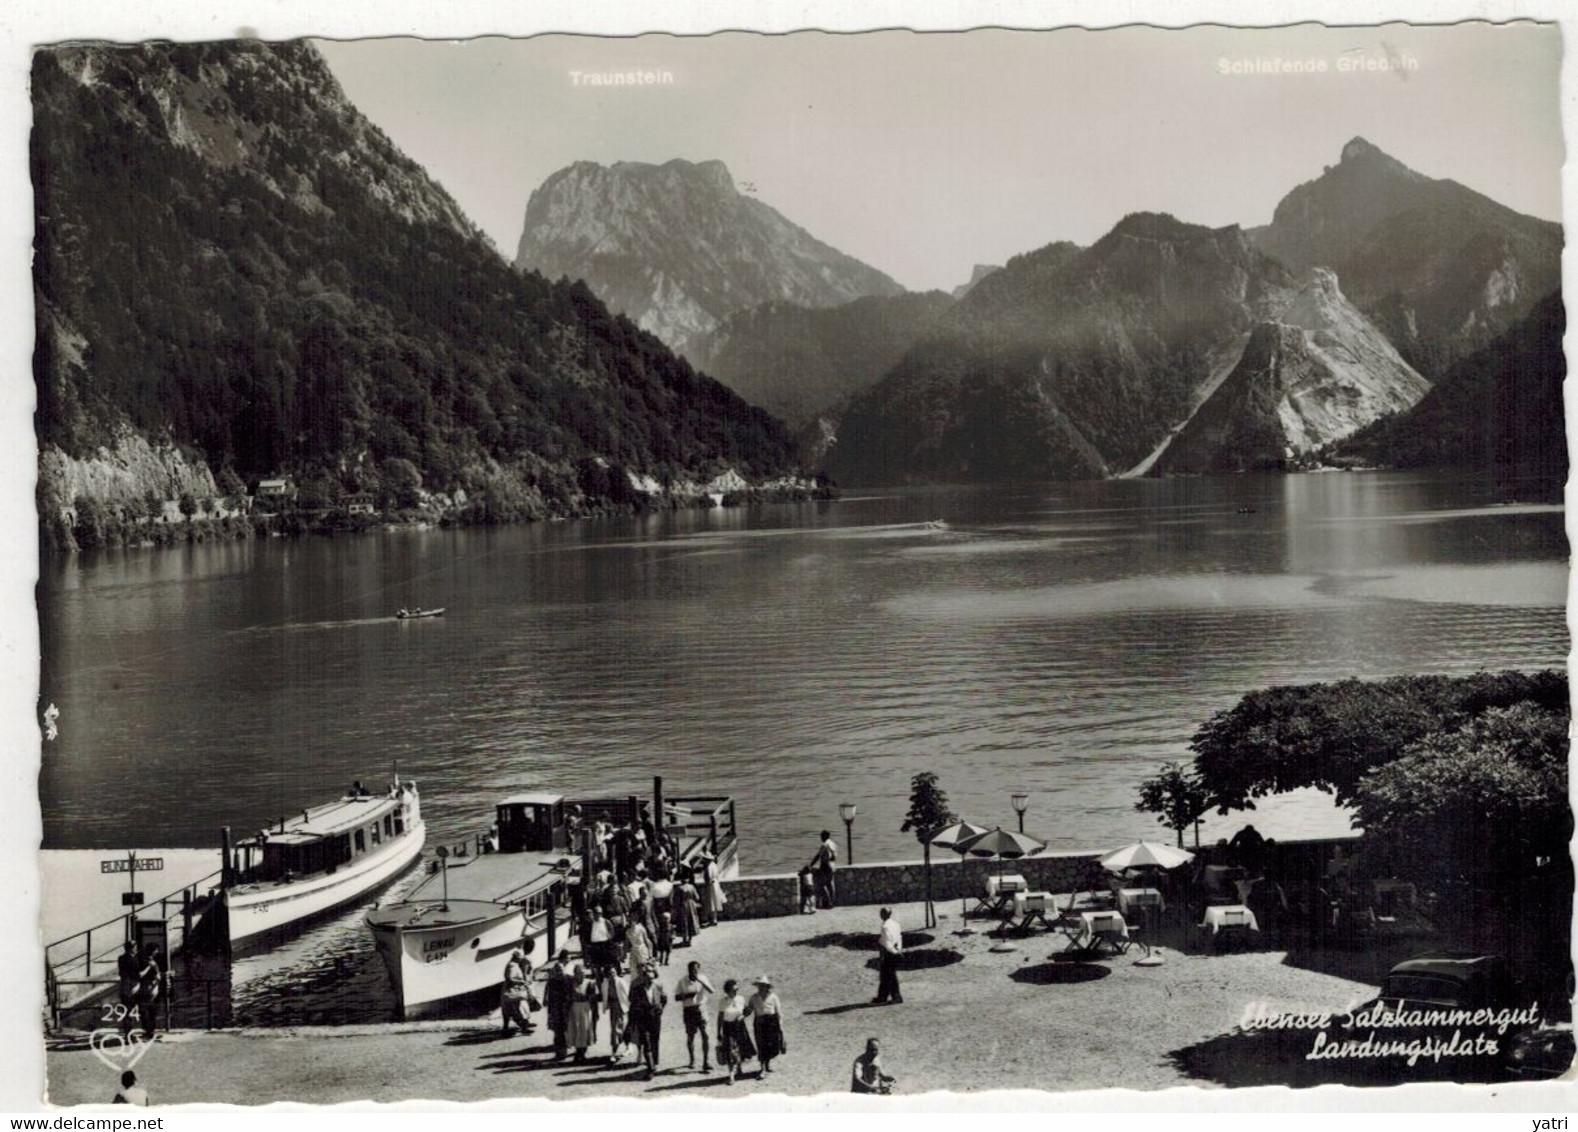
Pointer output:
x,y
846,810
1021,804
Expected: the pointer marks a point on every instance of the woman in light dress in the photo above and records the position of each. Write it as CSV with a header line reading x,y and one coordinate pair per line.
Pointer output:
x,y
585,995
767,1012
686,902
639,944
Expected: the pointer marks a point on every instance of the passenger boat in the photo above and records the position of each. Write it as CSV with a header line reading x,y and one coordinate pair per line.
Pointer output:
x,y
320,860
415,614
446,943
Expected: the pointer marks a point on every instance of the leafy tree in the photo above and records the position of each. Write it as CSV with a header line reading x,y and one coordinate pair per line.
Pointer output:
x,y
1477,806
89,529
1177,797
929,810
401,481
1330,736
929,814
231,485
315,493
318,336
188,504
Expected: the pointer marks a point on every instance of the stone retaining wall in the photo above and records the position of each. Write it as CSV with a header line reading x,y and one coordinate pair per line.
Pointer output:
x,y
904,882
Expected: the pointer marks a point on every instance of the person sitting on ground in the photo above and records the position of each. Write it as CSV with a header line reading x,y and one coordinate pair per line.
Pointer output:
x,y
867,1075
131,1092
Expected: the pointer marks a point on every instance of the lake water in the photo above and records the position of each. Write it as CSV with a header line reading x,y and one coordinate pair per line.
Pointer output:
x,y
1064,640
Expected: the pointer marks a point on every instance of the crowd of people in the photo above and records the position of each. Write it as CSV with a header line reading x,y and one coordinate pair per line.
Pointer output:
x,y
639,904
577,995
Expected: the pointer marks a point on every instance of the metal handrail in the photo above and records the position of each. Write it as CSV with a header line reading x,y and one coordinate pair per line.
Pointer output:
x,y
162,901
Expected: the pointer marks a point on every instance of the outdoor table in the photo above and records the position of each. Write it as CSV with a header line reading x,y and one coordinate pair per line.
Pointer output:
x,y
1132,898
1091,929
1000,891
1029,907
1222,916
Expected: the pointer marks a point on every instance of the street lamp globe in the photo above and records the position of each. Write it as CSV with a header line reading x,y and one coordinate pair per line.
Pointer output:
x,y
846,810
1021,804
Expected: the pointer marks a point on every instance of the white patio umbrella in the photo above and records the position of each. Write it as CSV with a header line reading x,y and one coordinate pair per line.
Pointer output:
x,y
1005,845
1144,854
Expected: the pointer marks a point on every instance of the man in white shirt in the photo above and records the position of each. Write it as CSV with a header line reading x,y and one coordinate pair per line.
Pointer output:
x,y
890,944
691,993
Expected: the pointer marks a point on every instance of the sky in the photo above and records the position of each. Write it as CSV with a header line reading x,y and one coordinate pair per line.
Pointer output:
x,y
926,153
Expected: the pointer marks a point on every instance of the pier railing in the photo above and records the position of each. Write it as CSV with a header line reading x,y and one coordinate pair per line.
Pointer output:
x,y
81,967
706,822
703,821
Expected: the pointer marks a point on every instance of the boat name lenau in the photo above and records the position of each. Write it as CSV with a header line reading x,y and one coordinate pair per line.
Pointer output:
x,y
435,949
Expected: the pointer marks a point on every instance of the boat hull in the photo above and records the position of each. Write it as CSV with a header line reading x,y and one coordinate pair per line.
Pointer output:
x,y
256,915
456,962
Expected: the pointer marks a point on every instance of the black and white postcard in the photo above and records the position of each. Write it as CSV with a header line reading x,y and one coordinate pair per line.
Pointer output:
x,y
687,567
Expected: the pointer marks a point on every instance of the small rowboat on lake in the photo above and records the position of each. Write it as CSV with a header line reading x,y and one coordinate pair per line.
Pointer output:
x,y
412,614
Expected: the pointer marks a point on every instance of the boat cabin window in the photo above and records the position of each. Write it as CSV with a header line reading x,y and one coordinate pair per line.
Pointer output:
x,y
361,842
388,825
531,826
300,859
399,823
377,836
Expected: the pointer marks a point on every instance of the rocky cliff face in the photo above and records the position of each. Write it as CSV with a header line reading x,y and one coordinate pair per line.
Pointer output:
x,y
982,270
1068,363
1499,408
678,248
233,263
799,362
1317,373
1439,267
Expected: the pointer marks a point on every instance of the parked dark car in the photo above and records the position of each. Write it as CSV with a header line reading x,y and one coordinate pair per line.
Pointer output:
x,y
1451,979
1545,1052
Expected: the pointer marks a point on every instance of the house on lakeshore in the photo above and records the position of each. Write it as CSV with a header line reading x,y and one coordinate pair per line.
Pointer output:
x,y
359,504
277,488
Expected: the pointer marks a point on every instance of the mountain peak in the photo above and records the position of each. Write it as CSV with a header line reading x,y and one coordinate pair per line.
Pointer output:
x,y
678,248
1359,148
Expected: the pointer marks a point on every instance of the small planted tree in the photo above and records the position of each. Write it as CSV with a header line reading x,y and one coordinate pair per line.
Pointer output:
x,y
929,814
1177,797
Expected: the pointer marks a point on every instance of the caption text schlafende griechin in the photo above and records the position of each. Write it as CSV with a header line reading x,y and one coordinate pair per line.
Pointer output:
x,y
1400,63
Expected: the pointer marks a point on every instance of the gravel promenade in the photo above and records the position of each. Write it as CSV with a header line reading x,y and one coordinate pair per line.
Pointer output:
x,y
972,1019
